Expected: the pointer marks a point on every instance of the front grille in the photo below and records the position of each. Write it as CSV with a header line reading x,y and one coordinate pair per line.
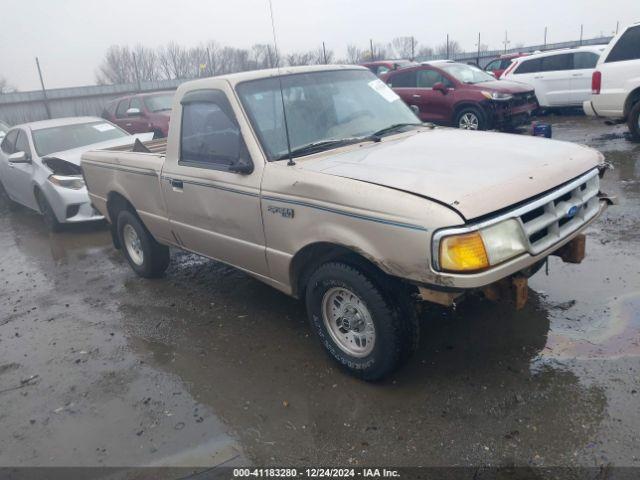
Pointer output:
x,y
520,99
561,213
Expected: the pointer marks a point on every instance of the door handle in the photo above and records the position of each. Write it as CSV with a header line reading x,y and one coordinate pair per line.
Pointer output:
x,y
539,77
577,75
177,185
127,124
415,95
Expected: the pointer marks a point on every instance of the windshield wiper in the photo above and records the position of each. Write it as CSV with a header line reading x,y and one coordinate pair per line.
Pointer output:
x,y
393,128
316,147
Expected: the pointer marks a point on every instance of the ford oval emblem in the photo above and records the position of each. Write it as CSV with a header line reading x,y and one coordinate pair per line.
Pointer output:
x,y
572,212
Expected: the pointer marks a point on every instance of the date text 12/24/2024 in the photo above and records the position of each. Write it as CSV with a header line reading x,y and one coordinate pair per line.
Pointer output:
x,y
315,473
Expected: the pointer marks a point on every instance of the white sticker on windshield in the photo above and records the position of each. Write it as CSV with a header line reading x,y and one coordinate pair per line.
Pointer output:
x,y
384,91
104,127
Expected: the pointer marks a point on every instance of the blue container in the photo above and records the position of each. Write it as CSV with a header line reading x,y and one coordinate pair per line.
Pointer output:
x,y
542,130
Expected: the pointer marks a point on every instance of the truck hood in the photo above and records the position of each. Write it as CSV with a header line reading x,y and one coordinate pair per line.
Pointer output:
x,y
73,155
475,173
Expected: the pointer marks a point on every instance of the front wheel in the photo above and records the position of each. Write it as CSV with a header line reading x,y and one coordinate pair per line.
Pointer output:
x,y
359,325
50,219
470,118
634,122
146,256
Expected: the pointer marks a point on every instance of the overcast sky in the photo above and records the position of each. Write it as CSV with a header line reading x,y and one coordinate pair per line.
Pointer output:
x,y
71,36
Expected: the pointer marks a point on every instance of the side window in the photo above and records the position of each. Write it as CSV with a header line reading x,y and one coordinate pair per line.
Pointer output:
x,y
9,142
22,143
121,111
403,80
428,78
583,60
528,66
136,103
627,47
556,63
210,136
495,65
505,63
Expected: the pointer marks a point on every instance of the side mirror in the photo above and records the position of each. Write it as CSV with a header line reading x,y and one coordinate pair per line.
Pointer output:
x,y
415,109
19,157
492,73
439,87
242,168
133,112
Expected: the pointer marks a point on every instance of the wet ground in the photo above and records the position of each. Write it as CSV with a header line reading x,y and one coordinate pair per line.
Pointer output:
x,y
207,365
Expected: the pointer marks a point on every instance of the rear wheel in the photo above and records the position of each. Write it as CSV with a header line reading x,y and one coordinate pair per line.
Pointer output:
x,y
146,256
470,118
50,219
634,122
359,324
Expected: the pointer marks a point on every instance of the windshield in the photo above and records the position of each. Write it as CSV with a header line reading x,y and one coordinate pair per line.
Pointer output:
x,y
467,73
67,137
158,103
321,107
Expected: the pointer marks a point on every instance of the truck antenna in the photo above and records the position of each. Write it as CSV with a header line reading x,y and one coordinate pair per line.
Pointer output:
x,y
284,110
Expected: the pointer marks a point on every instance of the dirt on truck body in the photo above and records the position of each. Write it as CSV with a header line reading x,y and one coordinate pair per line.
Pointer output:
x,y
320,182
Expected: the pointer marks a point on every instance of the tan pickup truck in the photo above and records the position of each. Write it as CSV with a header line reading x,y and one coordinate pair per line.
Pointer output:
x,y
322,183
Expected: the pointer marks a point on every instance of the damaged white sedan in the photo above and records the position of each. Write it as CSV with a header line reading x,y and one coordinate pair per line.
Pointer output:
x,y
40,165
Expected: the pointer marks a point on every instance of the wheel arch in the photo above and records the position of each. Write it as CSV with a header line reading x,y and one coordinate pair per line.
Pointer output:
x,y
116,202
632,99
311,256
458,107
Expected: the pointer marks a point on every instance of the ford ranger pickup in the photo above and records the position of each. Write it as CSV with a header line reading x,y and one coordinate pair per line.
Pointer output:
x,y
322,183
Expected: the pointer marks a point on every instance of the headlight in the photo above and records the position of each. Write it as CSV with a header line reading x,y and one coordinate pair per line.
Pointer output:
x,y
497,95
73,182
484,248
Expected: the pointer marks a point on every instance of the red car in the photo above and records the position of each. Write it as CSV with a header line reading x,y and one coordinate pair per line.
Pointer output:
x,y
464,96
500,64
141,113
381,67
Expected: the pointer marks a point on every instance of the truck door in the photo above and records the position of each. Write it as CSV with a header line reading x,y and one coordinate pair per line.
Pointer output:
x,y
211,186
18,176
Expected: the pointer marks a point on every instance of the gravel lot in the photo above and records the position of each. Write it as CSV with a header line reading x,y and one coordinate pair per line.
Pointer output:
x,y
207,365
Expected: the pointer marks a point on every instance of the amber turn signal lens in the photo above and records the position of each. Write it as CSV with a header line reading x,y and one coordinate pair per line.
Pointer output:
x,y
463,253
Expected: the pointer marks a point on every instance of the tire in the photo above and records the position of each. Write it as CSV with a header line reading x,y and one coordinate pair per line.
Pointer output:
x,y
376,337
634,122
470,118
50,219
157,134
147,257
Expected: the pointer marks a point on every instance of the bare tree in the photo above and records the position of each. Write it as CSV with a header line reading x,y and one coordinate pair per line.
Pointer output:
x,y
319,56
450,49
301,58
264,56
425,52
174,61
403,47
5,87
354,54
116,67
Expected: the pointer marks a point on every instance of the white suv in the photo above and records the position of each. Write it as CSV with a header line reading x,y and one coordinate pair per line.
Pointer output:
x,y
561,78
616,82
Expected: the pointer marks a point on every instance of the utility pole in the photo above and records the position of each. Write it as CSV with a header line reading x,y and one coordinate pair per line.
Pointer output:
x,y
447,47
617,26
413,48
371,43
545,38
44,91
135,67
478,59
324,53
581,32
506,41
